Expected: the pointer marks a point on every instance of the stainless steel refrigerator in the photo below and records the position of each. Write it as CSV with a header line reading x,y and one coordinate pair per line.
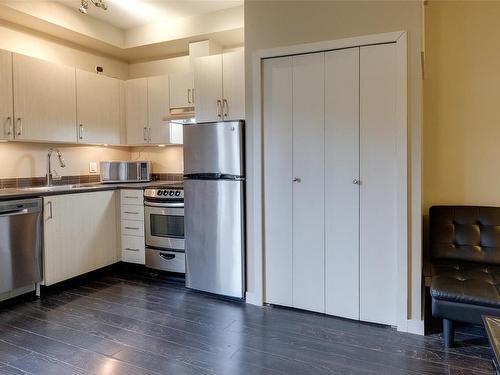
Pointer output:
x,y
214,201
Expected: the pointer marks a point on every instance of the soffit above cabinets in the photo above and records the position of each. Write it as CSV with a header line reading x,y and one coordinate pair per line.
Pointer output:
x,y
132,30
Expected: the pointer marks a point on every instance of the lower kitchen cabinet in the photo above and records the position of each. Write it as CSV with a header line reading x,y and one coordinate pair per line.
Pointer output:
x,y
80,234
132,226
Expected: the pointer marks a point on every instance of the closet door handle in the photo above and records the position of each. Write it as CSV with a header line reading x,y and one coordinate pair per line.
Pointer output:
x,y
219,104
225,108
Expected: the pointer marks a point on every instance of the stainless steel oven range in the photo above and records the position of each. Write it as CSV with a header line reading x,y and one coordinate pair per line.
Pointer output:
x,y
164,227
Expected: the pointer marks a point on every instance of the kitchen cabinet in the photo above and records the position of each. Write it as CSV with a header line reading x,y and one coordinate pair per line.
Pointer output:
x,y
233,85
147,107
219,81
181,90
6,100
132,226
331,182
44,100
80,234
137,111
98,108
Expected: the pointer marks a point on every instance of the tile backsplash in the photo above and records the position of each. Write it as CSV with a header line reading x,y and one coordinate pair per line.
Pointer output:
x,y
6,183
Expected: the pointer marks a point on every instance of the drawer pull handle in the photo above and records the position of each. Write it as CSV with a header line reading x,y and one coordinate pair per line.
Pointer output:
x,y
131,197
130,249
132,213
132,228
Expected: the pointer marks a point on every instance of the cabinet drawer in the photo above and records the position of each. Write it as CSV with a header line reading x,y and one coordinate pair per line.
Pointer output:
x,y
133,228
132,197
133,249
132,212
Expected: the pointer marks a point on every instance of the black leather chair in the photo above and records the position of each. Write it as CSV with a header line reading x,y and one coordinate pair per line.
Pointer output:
x,y
465,260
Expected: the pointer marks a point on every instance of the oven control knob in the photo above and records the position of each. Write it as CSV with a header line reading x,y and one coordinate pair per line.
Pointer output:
x,y
159,193
171,193
177,193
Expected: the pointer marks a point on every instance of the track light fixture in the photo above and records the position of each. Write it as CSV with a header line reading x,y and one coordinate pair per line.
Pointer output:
x,y
84,7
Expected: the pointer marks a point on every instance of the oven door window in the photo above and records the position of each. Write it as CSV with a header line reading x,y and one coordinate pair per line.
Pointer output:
x,y
167,226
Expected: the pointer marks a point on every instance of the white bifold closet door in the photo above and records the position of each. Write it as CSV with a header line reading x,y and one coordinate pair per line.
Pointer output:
x,y
308,163
379,183
330,182
341,182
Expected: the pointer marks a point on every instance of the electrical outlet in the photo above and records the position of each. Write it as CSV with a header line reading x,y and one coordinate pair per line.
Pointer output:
x,y
93,167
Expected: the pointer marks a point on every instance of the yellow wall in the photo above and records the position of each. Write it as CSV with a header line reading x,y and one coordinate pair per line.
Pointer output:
x,y
282,23
462,103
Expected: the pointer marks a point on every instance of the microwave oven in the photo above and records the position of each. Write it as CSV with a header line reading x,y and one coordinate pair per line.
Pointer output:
x,y
125,171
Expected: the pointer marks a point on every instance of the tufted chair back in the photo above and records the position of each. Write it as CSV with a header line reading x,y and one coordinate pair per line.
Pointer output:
x,y
466,233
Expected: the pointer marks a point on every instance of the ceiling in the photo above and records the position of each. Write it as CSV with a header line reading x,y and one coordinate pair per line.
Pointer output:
x,y
128,14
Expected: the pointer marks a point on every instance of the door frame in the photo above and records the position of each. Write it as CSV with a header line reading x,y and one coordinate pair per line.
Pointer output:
x,y
255,186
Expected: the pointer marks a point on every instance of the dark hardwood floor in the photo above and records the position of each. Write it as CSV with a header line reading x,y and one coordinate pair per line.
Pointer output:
x,y
129,321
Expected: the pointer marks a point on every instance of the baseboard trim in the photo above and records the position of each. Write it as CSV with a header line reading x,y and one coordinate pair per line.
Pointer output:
x,y
415,326
252,299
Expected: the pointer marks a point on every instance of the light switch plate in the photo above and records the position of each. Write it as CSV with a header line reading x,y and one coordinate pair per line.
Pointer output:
x,y
93,167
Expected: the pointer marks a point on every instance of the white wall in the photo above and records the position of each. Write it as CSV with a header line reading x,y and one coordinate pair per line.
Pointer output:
x,y
27,42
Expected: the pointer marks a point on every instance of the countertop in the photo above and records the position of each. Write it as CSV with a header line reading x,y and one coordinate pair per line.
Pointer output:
x,y
31,192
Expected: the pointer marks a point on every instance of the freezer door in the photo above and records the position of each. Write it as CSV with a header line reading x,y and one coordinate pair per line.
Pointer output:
x,y
214,230
214,148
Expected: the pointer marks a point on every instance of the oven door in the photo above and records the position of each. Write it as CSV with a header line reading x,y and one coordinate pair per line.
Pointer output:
x,y
164,225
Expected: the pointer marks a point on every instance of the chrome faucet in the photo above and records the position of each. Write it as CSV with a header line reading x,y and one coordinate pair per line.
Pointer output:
x,y
50,173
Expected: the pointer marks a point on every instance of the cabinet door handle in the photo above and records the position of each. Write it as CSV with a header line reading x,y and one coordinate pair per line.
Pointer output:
x,y
9,122
144,136
51,216
19,126
192,96
225,108
149,134
219,104
80,131
131,249
189,96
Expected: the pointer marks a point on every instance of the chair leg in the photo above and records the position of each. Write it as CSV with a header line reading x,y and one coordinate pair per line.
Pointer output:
x,y
448,333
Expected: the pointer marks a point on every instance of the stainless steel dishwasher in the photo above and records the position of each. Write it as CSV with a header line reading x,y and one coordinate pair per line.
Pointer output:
x,y
20,243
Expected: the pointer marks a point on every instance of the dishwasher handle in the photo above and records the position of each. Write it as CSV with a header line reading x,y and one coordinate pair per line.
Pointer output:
x,y
20,207
14,212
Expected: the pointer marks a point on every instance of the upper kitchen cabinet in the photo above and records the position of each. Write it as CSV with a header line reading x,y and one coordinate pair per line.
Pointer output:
x,y
136,111
44,100
147,107
219,81
181,90
233,85
98,108
208,86
6,101
158,109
